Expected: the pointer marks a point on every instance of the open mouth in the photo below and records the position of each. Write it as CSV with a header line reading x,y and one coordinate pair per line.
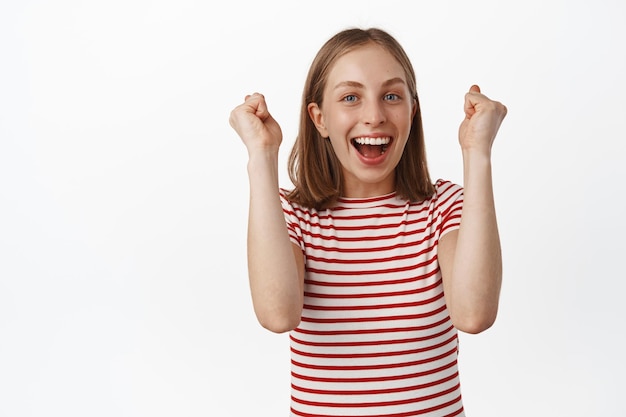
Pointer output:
x,y
371,147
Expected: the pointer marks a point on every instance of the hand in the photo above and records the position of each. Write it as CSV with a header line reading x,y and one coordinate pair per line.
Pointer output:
x,y
255,125
482,121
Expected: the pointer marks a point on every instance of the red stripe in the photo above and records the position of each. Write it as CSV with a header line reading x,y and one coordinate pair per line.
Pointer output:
x,y
406,414
367,200
372,319
379,378
316,219
371,342
373,354
386,403
376,331
372,271
397,210
304,212
376,391
361,237
374,306
402,205
354,261
374,295
455,413
456,206
358,228
372,367
408,244
449,226
371,283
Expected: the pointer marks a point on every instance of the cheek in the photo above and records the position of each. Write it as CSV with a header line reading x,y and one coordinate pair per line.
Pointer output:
x,y
403,120
339,124
339,144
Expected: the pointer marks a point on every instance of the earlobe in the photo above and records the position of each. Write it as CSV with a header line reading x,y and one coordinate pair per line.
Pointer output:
x,y
315,113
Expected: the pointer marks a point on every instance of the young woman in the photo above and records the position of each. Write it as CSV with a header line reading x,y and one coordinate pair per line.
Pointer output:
x,y
369,265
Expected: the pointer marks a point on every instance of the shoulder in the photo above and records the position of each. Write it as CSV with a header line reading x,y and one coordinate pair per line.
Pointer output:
x,y
445,188
284,198
293,209
448,196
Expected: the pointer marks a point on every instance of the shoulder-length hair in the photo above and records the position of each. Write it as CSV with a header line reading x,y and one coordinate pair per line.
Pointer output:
x,y
314,169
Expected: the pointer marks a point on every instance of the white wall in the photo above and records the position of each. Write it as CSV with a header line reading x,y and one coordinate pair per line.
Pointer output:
x,y
123,294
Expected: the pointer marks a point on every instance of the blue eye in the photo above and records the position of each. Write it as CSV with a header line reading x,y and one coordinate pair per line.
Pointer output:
x,y
350,98
391,97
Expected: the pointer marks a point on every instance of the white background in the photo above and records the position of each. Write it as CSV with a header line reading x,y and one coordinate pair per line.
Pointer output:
x,y
123,197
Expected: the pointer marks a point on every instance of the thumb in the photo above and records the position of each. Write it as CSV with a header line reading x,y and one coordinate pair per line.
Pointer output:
x,y
474,89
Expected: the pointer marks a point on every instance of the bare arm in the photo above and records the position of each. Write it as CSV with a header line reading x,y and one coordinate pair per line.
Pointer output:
x,y
470,258
275,264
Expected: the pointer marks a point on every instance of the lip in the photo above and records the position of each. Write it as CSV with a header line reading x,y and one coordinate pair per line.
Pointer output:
x,y
379,159
373,135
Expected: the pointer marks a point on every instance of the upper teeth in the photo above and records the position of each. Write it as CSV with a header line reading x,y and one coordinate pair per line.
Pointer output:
x,y
372,141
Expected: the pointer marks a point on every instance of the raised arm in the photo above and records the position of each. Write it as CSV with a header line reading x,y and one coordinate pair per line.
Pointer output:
x,y
275,264
470,257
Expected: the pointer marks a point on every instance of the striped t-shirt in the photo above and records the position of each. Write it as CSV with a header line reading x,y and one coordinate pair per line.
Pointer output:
x,y
375,338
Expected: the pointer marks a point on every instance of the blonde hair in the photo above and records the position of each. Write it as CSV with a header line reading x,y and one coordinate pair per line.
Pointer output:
x,y
314,169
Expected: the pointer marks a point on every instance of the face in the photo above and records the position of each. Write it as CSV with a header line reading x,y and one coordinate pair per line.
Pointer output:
x,y
366,113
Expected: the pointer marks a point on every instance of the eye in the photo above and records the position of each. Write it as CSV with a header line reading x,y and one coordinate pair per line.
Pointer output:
x,y
391,97
350,98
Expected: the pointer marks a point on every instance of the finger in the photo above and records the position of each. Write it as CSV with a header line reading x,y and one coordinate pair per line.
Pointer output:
x,y
255,104
471,99
261,107
255,95
469,105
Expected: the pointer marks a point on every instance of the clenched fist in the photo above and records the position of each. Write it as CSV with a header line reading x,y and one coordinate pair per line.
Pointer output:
x,y
482,121
255,125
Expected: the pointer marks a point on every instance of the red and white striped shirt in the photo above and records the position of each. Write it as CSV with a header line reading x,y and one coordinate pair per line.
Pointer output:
x,y
375,337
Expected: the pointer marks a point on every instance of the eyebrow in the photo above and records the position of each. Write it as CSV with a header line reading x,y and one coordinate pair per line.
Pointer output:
x,y
355,84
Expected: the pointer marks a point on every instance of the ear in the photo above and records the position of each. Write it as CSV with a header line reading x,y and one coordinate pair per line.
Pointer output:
x,y
414,108
315,113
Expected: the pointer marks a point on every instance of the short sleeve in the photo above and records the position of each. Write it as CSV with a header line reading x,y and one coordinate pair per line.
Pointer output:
x,y
449,205
292,221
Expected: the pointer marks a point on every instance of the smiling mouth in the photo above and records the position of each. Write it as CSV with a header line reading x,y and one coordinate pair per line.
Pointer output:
x,y
371,147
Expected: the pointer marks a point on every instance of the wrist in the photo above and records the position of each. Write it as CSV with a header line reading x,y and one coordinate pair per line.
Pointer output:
x,y
476,166
476,154
262,159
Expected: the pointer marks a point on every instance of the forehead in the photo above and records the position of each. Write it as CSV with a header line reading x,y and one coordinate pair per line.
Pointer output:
x,y
370,63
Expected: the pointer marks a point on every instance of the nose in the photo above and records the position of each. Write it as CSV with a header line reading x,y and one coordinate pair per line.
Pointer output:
x,y
373,113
